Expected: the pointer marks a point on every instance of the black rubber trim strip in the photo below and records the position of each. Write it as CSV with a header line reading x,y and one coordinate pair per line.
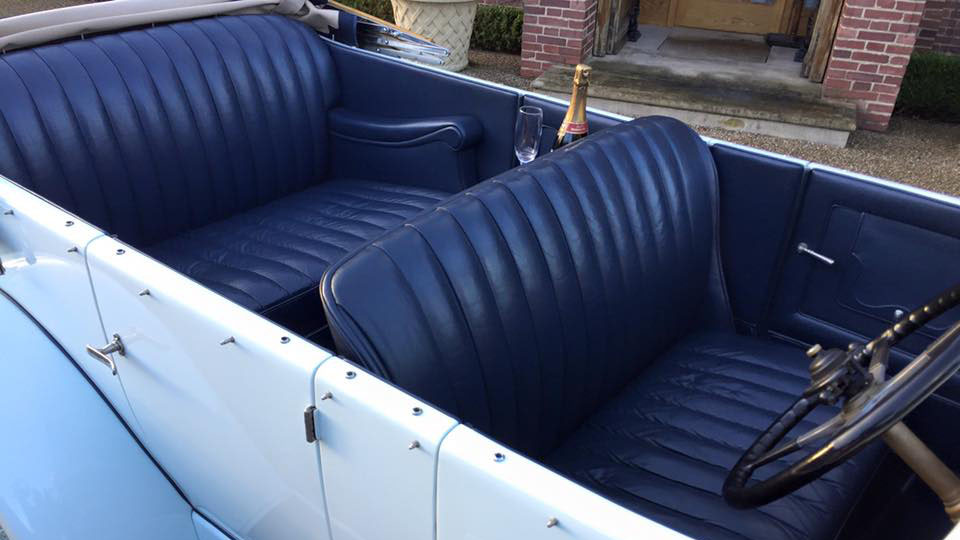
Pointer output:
x,y
113,409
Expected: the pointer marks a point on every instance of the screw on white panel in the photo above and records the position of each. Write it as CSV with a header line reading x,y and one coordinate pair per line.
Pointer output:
x,y
414,445
351,374
69,223
552,522
121,251
417,411
145,292
498,457
284,340
74,249
8,212
229,340
326,396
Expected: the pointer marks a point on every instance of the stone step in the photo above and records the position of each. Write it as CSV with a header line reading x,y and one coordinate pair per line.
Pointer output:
x,y
735,103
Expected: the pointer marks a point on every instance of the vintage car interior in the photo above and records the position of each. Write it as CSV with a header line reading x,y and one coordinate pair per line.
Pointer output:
x,y
633,311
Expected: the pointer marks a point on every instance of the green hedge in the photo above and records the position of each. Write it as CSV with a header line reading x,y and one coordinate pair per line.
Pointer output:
x,y
931,87
378,8
496,28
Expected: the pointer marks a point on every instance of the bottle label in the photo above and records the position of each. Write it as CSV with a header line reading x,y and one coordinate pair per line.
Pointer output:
x,y
577,128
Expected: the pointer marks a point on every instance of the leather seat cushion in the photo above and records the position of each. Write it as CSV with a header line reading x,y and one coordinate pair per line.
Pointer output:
x,y
664,446
275,254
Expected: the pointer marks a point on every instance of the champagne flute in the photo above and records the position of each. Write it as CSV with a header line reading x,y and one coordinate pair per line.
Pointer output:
x,y
526,139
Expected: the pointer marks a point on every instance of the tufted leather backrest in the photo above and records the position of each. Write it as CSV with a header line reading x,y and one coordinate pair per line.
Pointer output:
x,y
148,133
525,302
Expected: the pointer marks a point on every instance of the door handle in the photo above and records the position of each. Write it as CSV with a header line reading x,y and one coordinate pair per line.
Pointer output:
x,y
804,250
102,354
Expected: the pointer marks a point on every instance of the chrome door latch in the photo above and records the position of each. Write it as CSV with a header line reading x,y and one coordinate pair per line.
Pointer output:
x,y
804,250
103,354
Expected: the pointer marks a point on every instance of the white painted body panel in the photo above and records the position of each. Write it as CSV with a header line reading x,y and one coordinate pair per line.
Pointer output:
x,y
377,486
482,498
42,274
226,421
71,471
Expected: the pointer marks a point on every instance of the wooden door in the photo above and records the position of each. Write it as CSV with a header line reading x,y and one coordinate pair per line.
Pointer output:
x,y
747,16
613,18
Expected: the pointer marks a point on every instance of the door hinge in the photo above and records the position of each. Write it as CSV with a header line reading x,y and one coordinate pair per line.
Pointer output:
x,y
310,423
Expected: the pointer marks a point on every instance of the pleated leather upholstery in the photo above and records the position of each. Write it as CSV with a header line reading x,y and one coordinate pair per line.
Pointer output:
x,y
555,308
278,252
664,445
532,298
205,144
152,132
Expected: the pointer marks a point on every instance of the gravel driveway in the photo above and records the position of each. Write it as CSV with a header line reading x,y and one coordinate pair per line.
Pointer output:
x,y
9,8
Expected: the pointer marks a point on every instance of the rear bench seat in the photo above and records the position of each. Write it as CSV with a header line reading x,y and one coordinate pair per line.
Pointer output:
x,y
207,144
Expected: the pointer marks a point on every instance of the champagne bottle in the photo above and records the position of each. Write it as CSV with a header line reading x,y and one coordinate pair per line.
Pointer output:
x,y
574,126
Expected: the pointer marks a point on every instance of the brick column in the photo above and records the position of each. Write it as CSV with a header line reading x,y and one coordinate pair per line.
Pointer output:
x,y
556,32
940,27
870,54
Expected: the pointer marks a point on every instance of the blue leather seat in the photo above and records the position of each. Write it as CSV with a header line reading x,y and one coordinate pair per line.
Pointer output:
x,y
575,309
206,143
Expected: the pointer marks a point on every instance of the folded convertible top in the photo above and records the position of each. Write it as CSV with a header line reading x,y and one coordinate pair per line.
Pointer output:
x,y
45,26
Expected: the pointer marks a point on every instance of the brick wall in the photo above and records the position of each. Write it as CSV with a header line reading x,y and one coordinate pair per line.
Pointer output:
x,y
870,54
556,32
940,27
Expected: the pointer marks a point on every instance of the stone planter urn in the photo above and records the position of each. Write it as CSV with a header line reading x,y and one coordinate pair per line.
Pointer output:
x,y
447,23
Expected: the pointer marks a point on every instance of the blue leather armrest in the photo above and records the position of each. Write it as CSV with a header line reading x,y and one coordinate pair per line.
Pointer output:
x,y
457,132
434,152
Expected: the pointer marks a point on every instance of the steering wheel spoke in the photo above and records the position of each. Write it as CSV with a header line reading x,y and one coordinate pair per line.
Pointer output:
x,y
872,403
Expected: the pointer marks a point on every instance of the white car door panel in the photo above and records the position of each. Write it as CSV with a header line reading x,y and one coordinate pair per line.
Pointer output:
x,y
42,250
219,393
488,492
378,448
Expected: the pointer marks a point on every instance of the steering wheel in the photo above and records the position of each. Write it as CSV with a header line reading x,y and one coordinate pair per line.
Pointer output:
x,y
871,405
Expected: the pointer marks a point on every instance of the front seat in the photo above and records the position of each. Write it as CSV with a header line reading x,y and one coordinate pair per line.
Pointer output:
x,y
575,310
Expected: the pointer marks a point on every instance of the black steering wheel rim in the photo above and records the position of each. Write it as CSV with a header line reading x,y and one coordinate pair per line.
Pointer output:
x,y
871,410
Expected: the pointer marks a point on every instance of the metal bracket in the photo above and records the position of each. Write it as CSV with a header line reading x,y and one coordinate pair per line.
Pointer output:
x,y
803,249
310,423
102,354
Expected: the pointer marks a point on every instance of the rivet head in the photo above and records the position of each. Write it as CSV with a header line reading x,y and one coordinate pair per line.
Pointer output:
x,y
499,457
413,445
351,374
552,522
417,411
121,251
69,223
284,339
228,340
326,396
815,350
